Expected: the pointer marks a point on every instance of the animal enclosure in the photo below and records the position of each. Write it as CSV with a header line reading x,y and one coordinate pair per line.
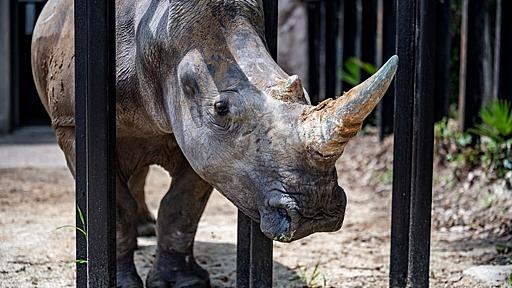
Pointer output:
x,y
433,68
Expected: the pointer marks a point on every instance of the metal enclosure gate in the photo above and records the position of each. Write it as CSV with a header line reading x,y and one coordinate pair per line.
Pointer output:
x,y
95,146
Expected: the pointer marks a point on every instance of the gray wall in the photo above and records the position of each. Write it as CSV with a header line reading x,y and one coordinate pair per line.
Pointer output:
x,y
5,67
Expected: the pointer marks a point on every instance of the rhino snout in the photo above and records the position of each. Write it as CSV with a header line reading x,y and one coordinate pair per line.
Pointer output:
x,y
283,220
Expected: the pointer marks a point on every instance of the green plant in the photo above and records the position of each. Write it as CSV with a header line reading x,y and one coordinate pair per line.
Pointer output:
x,y
309,280
509,279
496,121
352,71
386,176
503,248
454,146
82,230
492,152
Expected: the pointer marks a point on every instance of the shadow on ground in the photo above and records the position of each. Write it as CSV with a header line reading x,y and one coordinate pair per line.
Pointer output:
x,y
218,258
494,249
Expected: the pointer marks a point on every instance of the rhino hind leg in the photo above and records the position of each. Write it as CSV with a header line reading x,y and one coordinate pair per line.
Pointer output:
x,y
126,236
178,216
145,220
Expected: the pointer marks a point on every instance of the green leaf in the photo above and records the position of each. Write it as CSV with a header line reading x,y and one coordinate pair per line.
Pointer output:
x,y
73,227
81,215
81,261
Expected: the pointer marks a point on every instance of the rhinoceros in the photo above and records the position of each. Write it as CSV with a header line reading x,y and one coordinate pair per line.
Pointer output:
x,y
198,94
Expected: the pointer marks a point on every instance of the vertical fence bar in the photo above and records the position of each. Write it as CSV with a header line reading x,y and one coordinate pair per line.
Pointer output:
x,y
5,68
314,38
15,64
423,142
96,88
243,251
261,246
369,39
402,154
352,32
271,22
502,88
331,24
386,106
261,258
369,34
474,71
80,137
254,249
443,48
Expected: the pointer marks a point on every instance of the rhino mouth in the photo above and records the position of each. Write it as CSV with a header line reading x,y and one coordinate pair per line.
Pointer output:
x,y
281,218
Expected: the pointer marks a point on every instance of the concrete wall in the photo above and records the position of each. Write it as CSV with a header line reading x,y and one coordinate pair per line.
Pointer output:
x,y
5,67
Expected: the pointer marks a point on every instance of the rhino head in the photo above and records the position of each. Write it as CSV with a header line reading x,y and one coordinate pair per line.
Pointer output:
x,y
248,128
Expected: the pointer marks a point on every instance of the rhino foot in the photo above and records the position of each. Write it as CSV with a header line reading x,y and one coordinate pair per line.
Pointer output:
x,y
146,229
177,270
146,223
127,276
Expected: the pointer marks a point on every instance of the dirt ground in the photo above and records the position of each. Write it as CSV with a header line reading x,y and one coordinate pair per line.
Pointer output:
x,y
34,202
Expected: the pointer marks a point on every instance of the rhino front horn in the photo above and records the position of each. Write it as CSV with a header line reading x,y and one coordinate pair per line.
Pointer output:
x,y
327,127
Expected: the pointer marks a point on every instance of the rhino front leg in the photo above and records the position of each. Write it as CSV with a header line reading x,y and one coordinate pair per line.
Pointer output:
x,y
145,221
177,221
126,237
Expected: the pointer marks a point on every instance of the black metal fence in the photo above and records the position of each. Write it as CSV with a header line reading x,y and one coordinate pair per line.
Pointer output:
x,y
371,30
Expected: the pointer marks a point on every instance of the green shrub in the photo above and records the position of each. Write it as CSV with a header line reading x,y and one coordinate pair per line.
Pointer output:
x,y
489,145
496,121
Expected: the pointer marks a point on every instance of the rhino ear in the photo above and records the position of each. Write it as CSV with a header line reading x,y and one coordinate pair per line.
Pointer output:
x,y
188,79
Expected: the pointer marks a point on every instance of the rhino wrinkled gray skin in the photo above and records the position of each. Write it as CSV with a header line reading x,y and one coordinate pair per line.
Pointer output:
x,y
198,94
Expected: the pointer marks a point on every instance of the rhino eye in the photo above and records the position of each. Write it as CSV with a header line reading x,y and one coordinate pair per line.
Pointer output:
x,y
221,107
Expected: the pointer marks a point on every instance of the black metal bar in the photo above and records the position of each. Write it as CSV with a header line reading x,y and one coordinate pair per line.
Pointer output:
x,y
352,32
503,58
369,34
254,249
5,68
443,48
473,62
261,258
423,142
80,138
243,251
271,17
15,64
402,154
332,47
322,49
314,38
261,246
96,51
385,110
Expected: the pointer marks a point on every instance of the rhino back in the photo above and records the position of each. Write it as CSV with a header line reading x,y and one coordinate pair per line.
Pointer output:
x,y
53,65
